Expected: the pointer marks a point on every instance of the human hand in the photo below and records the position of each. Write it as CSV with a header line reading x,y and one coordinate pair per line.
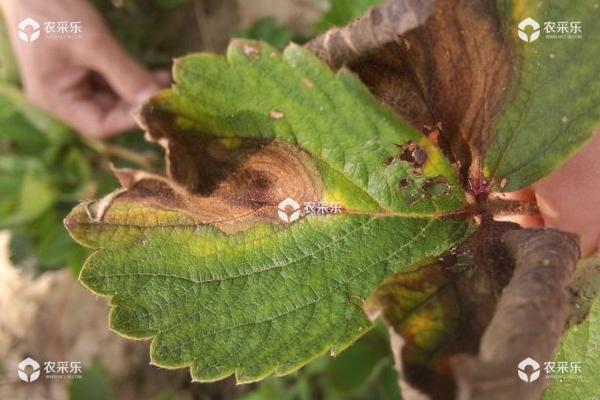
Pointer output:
x,y
569,198
90,83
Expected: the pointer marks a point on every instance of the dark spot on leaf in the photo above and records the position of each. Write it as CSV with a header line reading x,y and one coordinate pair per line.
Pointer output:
x,y
420,156
413,154
436,186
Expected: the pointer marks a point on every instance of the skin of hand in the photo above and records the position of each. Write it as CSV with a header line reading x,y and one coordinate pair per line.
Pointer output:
x,y
90,83
569,198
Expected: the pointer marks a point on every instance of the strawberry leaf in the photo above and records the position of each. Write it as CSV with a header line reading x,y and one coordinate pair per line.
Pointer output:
x,y
200,262
555,104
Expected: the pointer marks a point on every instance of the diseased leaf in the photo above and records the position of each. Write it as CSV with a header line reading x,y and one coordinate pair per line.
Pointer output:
x,y
424,311
360,38
534,301
459,330
200,262
448,76
442,309
493,101
555,104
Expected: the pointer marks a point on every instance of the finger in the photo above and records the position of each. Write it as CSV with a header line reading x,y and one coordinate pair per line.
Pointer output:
x,y
163,77
94,119
104,99
569,197
128,78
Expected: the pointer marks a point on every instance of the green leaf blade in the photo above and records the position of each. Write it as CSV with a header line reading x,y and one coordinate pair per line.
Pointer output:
x,y
556,102
253,297
278,306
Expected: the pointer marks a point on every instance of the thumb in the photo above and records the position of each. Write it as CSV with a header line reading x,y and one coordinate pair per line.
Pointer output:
x,y
129,79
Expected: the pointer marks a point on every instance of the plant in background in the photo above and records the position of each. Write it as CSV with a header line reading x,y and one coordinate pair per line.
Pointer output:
x,y
46,168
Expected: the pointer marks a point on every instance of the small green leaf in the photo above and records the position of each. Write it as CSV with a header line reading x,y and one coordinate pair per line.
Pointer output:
x,y
581,344
351,370
19,118
8,66
267,30
35,197
342,12
210,272
94,384
555,105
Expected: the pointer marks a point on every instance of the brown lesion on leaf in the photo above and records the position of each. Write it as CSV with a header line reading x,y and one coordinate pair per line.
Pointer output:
x,y
196,161
340,46
462,287
415,157
445,62
493,295
404,183
411,153
436,186
247,196
231,184
534,301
